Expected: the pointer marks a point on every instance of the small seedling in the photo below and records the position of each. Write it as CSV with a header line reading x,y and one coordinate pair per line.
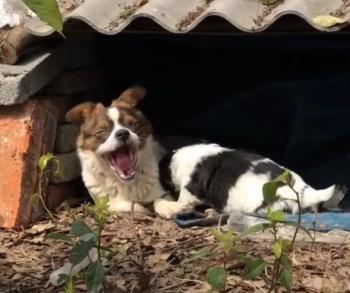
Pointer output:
x,y
84,238
281,248
47,163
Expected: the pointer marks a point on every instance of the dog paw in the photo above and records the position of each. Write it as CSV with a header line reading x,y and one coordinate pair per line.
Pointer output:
x,y
166,209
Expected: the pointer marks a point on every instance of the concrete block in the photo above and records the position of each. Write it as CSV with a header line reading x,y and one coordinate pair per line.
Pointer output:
x,y
66,139
23,131
70,167
19,82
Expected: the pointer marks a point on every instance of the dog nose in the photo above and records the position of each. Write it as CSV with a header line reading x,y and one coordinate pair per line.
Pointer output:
x,y
122,134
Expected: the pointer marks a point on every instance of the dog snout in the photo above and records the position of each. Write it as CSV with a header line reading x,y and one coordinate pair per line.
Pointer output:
x,y
122,134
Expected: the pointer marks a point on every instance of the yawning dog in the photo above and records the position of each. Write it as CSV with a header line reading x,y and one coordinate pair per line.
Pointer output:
x,y
118,155
231,180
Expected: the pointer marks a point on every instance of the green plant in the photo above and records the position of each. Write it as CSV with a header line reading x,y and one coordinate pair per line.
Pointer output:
x,y
85,238
281,248
47,11
44,167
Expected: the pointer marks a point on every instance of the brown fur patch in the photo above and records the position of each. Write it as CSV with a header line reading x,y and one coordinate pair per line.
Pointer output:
x,y
80,112
96,129
134,120
130,98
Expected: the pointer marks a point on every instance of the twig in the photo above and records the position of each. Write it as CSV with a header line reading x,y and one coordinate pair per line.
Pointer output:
x,y
189,280
40,195
170,287
137,240
299,218
152,281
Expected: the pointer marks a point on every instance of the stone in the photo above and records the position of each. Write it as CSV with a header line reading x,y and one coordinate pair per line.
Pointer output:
x,y
70,168
24,138
19,82
66,138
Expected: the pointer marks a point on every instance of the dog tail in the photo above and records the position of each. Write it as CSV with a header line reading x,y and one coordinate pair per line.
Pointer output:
x,y
311,197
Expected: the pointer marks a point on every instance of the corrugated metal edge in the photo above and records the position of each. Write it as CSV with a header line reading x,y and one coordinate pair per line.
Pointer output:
x,y
113,21
36,27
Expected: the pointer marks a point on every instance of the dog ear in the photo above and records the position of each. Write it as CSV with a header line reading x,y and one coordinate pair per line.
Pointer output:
x,y
79,113
130,98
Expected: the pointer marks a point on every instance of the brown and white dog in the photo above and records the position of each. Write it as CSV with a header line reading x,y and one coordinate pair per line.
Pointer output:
x,y
119,159
118,154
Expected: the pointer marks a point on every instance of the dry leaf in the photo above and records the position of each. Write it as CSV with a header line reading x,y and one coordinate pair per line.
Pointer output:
x,y
313,282
38,228
327,20
123,248
147,241
157,258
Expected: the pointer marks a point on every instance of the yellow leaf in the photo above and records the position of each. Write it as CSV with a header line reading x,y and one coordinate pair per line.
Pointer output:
x,y
327,20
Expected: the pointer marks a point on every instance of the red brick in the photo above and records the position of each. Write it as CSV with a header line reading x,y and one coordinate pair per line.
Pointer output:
x,y
24,138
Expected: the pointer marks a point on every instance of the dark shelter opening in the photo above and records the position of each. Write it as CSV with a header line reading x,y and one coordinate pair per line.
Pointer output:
x,y
281,96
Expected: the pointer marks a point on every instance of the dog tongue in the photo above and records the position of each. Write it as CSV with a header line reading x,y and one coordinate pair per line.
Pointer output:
x,y
123,160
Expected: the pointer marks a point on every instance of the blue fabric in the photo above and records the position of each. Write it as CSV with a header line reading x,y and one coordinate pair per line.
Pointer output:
x,y
324,221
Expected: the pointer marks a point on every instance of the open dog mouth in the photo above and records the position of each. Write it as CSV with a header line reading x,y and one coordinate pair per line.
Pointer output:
x,y
123,162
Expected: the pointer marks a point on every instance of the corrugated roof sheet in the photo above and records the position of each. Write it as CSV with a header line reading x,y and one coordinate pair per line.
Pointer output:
x,y
181,16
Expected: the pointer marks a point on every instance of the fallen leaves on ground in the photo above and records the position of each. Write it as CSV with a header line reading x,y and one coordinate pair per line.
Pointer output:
x,y
175,260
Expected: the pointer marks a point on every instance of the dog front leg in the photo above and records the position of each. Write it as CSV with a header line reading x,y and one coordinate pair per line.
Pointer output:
x,y
166,208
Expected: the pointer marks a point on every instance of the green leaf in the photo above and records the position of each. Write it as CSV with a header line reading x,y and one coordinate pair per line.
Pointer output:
x,y
69,288
44,160
270,188
253,267
44,163
276,216
47,11
80,251
59,236
285,263
203,253
100,208
89,237
269,191
283,178
79,228
226,239
63,278
216,277
58,170
255,229
94,277
277,249
286,273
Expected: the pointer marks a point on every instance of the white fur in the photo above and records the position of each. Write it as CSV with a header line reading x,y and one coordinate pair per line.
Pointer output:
x,y
246,194
185,160
145,188
100,180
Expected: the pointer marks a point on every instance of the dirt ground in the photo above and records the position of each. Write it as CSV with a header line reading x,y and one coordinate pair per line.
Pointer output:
x,y
27,258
